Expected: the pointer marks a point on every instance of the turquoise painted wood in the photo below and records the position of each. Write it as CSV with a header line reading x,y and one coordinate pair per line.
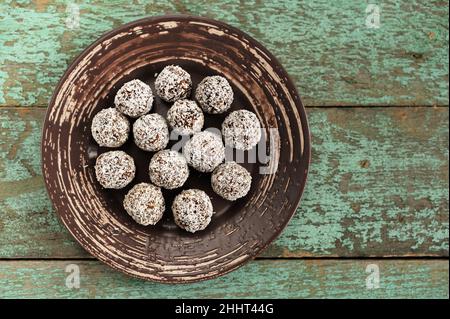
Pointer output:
x,y
327,47
378,183
378,186
259,279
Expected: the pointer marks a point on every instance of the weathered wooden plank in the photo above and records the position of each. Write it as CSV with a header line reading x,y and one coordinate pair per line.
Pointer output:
x,y
259,279
378,186
334,58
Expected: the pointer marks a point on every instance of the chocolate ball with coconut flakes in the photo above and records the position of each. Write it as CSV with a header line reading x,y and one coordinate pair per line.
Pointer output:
x,y
145,203
114,169
204,151
192,210
231,181
150,132
185,117
241,130
168,169
134,98
214,94
110,128
173,83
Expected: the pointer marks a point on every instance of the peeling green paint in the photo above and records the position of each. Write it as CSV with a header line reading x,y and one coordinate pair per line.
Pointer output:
x,y
378,185
258,279
325,46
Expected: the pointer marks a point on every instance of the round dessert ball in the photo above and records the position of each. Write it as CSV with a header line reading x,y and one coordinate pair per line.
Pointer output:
x,y
192,210
150,132
145,204
214,94
173,83
168,169
231,181
185,117
114,169
134,98
241,130
110,128
204,151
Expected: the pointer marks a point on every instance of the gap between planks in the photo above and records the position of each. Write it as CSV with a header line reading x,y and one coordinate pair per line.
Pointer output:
x,y
338,106
262,258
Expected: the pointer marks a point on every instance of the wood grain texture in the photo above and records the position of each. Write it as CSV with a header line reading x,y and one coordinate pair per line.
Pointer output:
x,y
378,186
258,279
326,47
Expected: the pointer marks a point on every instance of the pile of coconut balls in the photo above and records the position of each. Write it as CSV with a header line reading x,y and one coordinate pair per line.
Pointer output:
x,y
204,151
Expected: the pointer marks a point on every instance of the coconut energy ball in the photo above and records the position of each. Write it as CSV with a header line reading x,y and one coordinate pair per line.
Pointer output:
x,y
185,117
134,98
168,169
110,128
204,151
173,83
114,169
231,181
214,94
145,204
192,210
241,130
150,132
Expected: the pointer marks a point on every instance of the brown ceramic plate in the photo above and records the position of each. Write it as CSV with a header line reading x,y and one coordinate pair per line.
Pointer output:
x,y
239,230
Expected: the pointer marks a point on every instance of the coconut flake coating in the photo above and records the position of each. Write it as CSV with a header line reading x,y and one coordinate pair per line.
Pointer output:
x,y
173,83
185,117
204,151
168,169
114,169
150,132
134,98
192,210
241,130
231,181
145,204
214,94
110,128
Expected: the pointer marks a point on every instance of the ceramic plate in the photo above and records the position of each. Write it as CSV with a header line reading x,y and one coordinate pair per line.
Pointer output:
x,y
239,230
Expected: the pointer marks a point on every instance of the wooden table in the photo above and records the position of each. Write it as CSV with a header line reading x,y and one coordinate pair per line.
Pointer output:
x,y
377,196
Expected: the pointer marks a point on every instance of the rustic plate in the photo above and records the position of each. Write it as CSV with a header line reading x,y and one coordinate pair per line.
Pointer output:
x,y
239,230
